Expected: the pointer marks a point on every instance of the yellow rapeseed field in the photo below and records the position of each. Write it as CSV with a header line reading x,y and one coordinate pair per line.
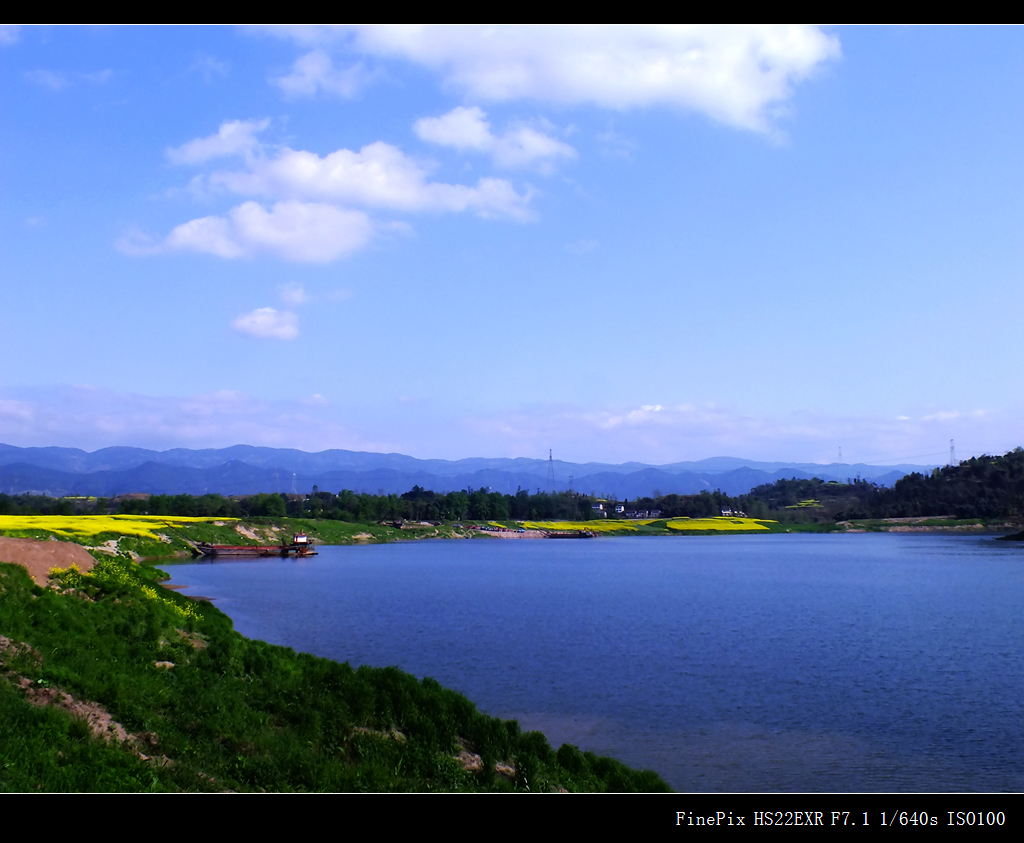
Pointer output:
x,y
721,524
593,526
77,527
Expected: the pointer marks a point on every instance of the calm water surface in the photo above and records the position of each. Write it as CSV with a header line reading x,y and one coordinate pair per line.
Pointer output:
x,y
875,662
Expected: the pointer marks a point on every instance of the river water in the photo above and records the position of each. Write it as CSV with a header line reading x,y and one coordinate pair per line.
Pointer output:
x,y
872,662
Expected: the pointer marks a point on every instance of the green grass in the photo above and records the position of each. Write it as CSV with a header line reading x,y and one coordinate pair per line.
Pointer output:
x,y
238,714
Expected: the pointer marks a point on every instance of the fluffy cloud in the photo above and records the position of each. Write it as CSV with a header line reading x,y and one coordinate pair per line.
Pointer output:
x,y
267,323
306,223
378,176
9,33
315,72
297,231
233,138
467,129
737,75
462,128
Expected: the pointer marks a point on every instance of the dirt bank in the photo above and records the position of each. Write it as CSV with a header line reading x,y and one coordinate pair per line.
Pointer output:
x,y
526,534
39,557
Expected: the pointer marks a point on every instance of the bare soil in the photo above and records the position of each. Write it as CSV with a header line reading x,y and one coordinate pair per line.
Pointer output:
x,y
40,557
526,534
97,718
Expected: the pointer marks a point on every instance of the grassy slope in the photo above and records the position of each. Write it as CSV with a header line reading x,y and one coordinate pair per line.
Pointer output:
x,y
236,714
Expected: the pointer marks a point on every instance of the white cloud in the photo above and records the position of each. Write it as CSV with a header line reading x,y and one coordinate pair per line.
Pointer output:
x,y
315,72
644,414
95,418
52,79
467,129
664,433
379,175
9,34
294,294
462,128
525,147
297,231
235,137
737,75
305,223
267,323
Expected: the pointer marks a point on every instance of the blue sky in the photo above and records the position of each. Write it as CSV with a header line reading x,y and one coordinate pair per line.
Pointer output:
x,y
652,244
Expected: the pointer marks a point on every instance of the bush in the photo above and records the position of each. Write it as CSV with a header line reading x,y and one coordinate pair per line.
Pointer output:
x,y
571,759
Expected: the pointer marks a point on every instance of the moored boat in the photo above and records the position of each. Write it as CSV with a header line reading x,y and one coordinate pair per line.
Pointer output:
x,y
300,545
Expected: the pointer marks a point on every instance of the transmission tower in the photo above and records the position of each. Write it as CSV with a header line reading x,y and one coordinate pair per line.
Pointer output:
x,y
551,472
952,454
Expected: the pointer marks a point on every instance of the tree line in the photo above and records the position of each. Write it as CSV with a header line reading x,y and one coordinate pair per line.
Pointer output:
x,y
981,487
418,504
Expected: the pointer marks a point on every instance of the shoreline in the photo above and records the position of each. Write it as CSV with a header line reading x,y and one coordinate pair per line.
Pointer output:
x,y
157,537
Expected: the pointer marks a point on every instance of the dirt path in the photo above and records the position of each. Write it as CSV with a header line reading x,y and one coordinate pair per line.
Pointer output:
x,y
39,557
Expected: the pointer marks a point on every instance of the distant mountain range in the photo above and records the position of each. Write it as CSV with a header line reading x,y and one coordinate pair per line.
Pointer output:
x,y
245,470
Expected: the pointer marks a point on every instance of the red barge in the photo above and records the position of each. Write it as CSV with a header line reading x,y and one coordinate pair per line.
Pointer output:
x,y
300,545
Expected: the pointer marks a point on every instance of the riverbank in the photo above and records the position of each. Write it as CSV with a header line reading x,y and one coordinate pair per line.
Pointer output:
x,y
147,536
110,682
